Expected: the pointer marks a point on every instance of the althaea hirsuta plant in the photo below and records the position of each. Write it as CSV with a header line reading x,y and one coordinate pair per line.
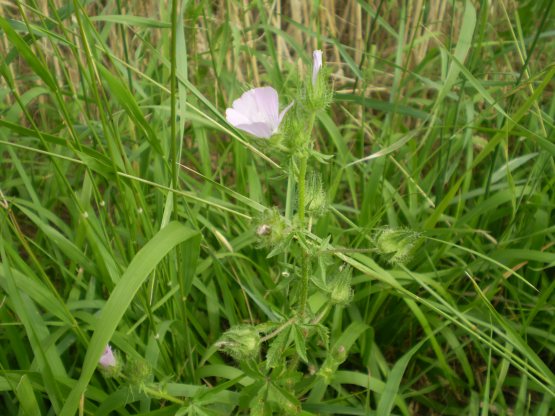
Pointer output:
x,y
280,349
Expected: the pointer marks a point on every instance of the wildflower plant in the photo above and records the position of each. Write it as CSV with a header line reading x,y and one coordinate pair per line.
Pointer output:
x,y
289,234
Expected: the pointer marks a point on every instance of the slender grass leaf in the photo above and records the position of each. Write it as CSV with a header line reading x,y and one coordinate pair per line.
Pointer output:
x,y
391,388
121,297
122,94
34,62
129,20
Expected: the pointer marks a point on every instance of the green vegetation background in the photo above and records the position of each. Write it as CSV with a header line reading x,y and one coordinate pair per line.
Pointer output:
x,y
127,201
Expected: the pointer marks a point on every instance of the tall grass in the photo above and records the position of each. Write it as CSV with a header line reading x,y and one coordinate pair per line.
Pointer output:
x,y
127,204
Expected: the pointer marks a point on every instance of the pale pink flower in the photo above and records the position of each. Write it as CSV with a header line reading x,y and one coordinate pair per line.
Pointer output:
x,y
108,359
257,112
316,65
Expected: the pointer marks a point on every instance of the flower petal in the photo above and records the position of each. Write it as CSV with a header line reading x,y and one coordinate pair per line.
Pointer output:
x,y
259,129
268,104
317,64
257,112
246,105
107,359
284,111
235,118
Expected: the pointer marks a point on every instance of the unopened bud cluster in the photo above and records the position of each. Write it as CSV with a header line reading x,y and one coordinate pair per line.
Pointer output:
x,y
314,96
136,370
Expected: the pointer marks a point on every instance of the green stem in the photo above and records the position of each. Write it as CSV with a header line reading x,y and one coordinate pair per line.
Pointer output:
x,y
278,330
162,395
302,185
173,103
290,192
303,159
304,283
301,213
320,314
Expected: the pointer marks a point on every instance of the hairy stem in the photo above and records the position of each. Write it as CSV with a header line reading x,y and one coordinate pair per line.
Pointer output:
x,y
278,330
304,284
302,186
159,394
301,213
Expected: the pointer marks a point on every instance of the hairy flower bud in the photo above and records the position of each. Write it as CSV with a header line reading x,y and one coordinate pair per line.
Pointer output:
x,y
109,363
316,65
318,93
138,371
396,245
341,292
271,228
107,359
339,354
241,342
316,198
263,229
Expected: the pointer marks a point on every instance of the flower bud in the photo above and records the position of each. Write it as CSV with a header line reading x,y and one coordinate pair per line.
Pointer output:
x,y
318,93
263,229
341,292
396,245
107,359
316,65
138,371
108,362
339,354
295,137
271,228
316,198
241,342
